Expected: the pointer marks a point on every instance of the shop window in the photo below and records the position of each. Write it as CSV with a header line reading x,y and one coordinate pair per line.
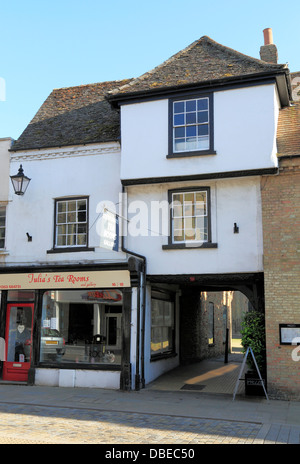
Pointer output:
x,y
81,327
162,327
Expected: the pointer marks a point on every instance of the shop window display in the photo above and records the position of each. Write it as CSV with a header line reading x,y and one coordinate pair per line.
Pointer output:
x,y
162,327
81,327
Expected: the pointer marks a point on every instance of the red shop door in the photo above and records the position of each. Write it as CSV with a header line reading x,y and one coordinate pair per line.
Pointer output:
x,y
18,341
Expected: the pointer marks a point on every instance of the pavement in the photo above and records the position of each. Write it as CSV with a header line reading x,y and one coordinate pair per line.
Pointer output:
x,y
163,413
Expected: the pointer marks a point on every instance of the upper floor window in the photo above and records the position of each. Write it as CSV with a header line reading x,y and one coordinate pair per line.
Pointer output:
x,y
190,216
2,226
190,219
71,222
191,127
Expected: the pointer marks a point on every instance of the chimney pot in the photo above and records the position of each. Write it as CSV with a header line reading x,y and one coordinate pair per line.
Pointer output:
x,y
268,52
268,36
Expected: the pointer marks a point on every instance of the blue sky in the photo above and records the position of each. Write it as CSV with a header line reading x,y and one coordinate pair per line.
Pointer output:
x,y
60,43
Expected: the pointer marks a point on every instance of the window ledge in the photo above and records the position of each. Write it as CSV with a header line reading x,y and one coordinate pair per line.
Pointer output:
x,y
191,153
4,252
184,246
69,250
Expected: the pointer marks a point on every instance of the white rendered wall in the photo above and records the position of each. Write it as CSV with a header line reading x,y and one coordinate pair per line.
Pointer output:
x,y
232,201
154,369
245,122
77,378
5,145
75,171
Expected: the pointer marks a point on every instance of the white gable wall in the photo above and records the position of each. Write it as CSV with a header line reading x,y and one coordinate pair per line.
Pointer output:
x,y
245,122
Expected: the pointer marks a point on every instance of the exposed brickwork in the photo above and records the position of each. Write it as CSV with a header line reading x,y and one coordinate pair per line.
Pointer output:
x,y
281,226
218,300
190,323
194,322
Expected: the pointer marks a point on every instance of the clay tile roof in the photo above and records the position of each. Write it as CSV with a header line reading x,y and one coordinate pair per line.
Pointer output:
x,y
72,116
203,60
83,114
288,131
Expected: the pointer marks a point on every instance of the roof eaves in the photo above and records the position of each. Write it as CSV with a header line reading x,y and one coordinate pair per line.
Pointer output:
x,y
276,75
127,88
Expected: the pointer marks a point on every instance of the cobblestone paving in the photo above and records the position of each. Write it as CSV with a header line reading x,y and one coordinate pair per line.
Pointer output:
x,y
25,424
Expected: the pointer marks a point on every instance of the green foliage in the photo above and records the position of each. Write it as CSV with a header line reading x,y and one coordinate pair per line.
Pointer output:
x,y
253,335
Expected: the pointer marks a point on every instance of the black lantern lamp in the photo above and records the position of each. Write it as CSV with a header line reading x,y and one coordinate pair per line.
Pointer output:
x,y
20,182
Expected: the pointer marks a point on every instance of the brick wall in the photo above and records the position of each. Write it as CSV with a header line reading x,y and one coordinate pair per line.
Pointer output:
x,y
281,229
195,342
190,325
216,347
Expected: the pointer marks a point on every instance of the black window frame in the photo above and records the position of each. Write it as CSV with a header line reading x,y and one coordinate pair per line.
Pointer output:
x,y
36,361
186,97
190,244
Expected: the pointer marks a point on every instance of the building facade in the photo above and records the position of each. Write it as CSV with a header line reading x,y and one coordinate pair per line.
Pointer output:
x,y
192,169
66,294
5,145
281,224
149,206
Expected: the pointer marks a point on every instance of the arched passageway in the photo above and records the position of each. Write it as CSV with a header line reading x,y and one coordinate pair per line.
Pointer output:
x,y
210,315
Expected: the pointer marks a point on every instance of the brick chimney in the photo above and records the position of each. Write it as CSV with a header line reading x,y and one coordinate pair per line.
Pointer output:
x,y
268,52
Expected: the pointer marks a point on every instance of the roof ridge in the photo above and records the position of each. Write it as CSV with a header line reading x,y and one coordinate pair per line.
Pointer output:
x,y
167,61
227,49
91,84
206,40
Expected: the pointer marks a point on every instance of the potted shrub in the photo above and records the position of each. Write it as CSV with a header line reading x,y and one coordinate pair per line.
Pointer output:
x,y
253,335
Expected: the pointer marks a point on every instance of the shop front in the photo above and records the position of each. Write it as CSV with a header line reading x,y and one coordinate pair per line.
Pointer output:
x,y
65,328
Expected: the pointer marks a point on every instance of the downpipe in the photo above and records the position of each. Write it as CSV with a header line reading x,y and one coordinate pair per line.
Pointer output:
x,y
141,313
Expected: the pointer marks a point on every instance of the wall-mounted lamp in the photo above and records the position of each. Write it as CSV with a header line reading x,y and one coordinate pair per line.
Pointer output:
x,y
235,228
29,237
20,182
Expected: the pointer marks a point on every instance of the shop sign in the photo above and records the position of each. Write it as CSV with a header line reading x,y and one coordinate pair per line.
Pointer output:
x,y
289,333
108,230
111,296
65,280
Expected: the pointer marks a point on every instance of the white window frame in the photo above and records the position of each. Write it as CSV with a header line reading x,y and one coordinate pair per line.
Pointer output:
x,y
191,125
70,227
2,226
189,214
